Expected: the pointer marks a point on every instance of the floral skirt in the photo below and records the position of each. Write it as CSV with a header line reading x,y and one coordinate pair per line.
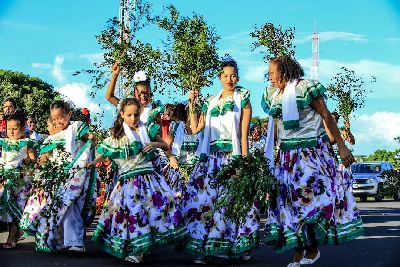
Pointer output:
x,y
210,232
140,215
45,211
314,204
13,200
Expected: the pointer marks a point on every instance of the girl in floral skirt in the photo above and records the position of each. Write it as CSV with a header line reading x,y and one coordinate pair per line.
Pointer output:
x,y
58,218
140,214
308,210
15,186
184,145
225,121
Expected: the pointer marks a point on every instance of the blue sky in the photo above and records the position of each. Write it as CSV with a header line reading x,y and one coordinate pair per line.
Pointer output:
x,y
52,39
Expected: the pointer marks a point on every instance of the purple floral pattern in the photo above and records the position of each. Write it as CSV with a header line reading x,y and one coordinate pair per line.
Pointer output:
x,y
209,227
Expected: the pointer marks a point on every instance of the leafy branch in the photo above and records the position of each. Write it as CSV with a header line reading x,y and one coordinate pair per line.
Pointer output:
x,y
278,42
192,57
349,92
243,182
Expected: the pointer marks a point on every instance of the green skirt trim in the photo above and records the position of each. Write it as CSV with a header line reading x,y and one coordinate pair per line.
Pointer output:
x,y
9,204
121,248
326,234
40,243
218,246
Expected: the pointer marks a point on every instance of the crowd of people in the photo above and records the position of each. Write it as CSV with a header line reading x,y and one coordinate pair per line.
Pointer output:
x,y
165,161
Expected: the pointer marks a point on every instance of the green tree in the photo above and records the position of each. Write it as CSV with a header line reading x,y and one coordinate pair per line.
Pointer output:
x,y
121,44
278,41
33,95
349,92
192,56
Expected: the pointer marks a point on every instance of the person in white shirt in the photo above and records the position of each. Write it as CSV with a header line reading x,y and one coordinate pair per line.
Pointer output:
x,y
31,126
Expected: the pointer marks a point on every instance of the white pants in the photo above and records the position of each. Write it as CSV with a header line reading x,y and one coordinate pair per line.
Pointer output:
x,y
74,229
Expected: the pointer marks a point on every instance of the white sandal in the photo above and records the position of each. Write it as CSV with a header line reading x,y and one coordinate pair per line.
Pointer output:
x,y
134,259
294,264
305,261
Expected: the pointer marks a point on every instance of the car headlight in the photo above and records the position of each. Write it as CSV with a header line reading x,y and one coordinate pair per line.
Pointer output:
x,y
371,180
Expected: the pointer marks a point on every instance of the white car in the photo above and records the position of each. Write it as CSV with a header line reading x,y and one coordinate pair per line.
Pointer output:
x,y
368,179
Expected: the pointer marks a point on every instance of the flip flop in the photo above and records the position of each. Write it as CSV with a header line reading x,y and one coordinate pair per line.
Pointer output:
x,y
9,245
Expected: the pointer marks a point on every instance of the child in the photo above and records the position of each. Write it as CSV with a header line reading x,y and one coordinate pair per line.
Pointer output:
x,y
142,92
31,126
14,184
184,145
140,214
60,223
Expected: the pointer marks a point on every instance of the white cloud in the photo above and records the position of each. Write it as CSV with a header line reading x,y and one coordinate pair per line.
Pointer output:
x,y
78,93
376,131
57,69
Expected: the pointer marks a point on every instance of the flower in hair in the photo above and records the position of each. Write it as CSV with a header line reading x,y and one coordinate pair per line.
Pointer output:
x,y
139,76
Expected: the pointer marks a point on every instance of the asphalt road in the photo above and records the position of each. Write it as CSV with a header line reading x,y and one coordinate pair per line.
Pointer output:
x,y
379,247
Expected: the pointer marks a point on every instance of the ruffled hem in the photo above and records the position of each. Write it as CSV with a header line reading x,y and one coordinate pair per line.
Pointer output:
x,y
326,234
121,248
221,246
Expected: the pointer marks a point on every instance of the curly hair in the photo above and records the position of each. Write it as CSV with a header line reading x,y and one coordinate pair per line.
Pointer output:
x,y
117,131
288,68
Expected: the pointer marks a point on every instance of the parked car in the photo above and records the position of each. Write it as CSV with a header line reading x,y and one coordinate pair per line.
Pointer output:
x,y
368,179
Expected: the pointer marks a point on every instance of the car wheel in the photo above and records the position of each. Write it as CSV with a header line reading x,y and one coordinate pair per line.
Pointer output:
x,y
379,194
363,198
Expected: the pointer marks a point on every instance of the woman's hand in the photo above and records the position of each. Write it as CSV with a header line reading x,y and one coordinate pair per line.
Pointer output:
x,y
115,69
346,156
150,147
193,94
173,162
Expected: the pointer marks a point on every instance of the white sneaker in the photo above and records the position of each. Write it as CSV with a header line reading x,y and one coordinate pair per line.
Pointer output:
x,y
294,264
134,259
305,261
77,249
200,260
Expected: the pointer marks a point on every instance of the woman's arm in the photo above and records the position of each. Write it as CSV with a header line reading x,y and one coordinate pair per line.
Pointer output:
x,y
244,128
330,135
161,144
99,158
318,104
110,94
196,125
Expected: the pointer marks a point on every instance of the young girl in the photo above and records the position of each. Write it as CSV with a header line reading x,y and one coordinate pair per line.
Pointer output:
x,y
225,120
14,184
142,92
184,145
140,214
60,222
